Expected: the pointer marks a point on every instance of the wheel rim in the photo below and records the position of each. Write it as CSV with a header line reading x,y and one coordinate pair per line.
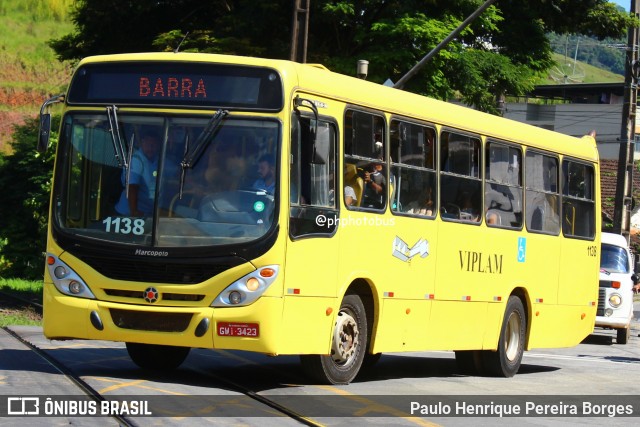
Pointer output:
x,y
346,339
512,337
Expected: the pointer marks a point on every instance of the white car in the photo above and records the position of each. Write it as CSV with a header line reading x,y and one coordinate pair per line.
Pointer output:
x,y
615,298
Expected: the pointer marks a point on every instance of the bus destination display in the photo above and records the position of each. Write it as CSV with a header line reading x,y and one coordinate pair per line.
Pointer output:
x,y
192,85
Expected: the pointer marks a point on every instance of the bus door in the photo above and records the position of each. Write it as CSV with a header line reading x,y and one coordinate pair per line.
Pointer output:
x,y
311,264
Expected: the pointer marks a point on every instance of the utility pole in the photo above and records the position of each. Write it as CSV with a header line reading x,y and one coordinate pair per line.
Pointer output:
x,y
413,71
300,30
624,185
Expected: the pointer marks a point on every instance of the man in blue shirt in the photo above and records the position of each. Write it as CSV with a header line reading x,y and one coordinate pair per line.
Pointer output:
x,y
142,179
266,170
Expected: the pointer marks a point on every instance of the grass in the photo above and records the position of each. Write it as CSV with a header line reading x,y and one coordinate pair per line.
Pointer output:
x,y
15,314
582,73
29,70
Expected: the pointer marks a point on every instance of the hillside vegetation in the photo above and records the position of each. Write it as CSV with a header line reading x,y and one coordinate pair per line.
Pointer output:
x,y
566,71
29,70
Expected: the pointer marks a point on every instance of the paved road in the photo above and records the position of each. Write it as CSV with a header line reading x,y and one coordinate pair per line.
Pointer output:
x,y
230,385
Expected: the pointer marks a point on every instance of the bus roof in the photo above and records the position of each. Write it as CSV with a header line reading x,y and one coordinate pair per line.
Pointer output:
x,y
316,79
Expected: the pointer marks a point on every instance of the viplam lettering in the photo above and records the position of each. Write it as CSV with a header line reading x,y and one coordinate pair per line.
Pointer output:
x,y
478,262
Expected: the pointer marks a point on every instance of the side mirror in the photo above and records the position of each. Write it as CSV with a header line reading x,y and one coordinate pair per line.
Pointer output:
x,y
45,123
44,133
634,278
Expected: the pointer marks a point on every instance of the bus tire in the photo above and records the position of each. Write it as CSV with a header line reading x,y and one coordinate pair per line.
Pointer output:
x,y
157,357
623,335
505,361
348,346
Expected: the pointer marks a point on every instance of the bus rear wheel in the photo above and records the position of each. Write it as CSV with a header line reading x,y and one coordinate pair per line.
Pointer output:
x,y
157,357
347,349
505,361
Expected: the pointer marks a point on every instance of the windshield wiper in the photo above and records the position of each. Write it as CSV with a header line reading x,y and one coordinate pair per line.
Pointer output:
x,y
114,130
191,157
123,157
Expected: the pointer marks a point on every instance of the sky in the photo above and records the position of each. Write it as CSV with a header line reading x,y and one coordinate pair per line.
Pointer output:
x,y
623,3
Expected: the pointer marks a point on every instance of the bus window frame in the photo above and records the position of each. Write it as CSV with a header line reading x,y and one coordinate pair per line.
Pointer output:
x,y
434,171
335,210
564,196
384,161
558,193
479,178
487,181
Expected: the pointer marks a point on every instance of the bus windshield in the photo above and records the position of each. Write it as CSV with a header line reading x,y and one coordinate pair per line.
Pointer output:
x,y
134,188
614,259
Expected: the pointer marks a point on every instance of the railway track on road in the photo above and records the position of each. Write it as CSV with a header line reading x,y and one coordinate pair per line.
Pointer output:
x,y
84,388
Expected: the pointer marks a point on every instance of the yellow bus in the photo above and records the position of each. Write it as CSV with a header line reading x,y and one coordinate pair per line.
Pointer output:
x,y
229,202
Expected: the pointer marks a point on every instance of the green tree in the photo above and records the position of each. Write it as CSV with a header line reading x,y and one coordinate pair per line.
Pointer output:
x,y
25,176
501,52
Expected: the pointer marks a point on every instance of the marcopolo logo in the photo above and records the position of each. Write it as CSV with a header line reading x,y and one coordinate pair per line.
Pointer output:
x,y
145,252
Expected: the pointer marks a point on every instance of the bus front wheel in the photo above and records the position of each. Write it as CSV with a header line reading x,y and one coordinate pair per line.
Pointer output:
x,y
157,357
505,362
347,349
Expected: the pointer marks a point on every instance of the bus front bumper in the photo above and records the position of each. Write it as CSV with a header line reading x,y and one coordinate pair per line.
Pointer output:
x,y
250,328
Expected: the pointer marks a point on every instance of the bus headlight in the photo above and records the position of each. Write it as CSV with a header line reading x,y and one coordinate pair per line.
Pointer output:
x,y
247,289
615,300
66,280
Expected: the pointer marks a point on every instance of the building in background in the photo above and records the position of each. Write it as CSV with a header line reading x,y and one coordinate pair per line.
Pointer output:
x,y
575,109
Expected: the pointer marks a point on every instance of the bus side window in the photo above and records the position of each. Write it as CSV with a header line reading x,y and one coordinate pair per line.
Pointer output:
x,y
312,182
503,187
460,182
541,198
578,206
364,149
413,169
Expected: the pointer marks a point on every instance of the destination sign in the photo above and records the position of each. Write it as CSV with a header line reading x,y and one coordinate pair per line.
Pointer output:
x,y
177,84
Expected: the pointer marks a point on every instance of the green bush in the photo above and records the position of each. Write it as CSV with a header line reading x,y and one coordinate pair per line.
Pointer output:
x,y
25,177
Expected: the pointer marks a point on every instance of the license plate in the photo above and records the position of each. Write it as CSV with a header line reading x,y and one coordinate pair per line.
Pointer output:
x,y
226,329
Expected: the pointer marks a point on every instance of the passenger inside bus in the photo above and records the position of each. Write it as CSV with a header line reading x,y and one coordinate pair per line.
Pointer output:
x,y
468,208
353,185
375,185
424,205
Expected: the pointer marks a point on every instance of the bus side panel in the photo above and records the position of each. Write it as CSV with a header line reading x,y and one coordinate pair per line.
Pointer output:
x,y
559,325
403,326
580,266
495,316
540,262
457,325
307,325
476,263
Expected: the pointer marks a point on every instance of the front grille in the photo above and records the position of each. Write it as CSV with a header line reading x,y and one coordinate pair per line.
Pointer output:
x,y
163,296
146,321
602,294
156,271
